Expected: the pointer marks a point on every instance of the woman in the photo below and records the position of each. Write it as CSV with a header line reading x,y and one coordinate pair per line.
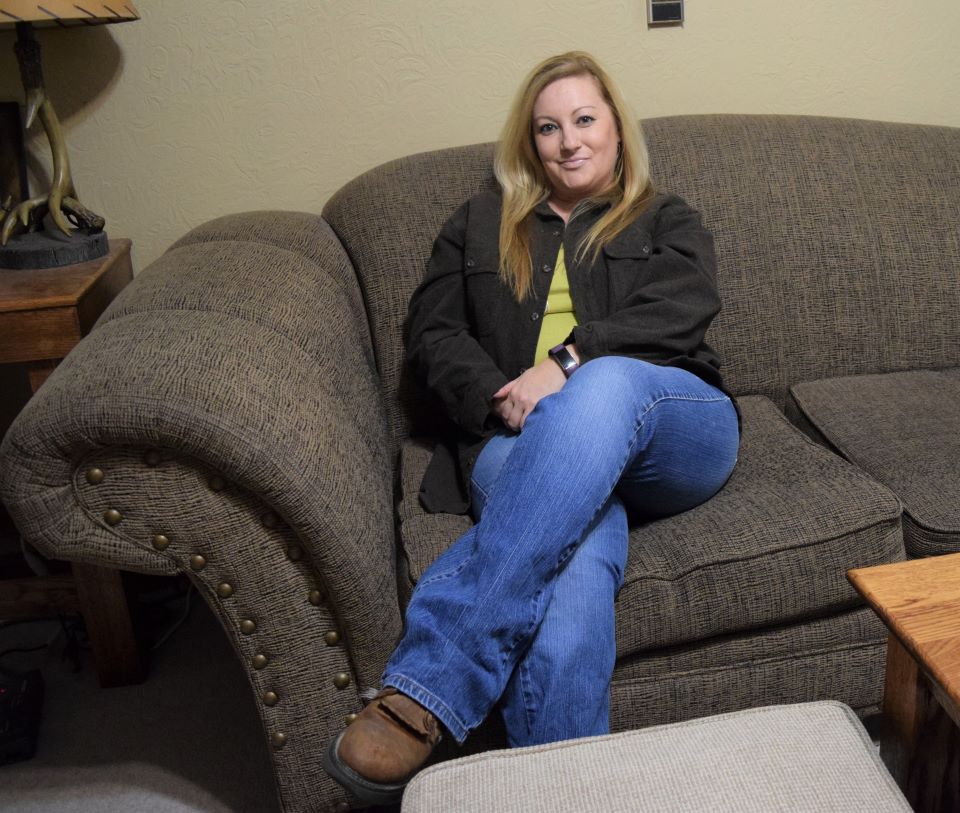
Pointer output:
x,y
561,321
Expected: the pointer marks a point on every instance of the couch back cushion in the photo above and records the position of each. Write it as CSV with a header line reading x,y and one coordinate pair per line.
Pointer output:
x,y
838,243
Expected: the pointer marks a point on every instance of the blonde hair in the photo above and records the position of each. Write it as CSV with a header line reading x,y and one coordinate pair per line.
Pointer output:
x,y
524,181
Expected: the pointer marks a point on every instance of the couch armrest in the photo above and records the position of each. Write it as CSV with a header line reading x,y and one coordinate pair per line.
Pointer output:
x,y
224,419
230,358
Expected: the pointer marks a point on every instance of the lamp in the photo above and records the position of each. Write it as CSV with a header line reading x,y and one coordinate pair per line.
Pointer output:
x,y
78,233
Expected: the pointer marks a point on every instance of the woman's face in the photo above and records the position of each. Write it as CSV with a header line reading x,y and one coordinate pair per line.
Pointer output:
x,y
576,136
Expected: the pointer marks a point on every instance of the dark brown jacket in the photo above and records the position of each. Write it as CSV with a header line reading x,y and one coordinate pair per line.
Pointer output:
x,y
650,295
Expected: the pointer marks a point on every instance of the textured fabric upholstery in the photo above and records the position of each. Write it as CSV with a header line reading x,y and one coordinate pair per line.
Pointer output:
x,y
904,430
812,757
834,240
772,547
839,656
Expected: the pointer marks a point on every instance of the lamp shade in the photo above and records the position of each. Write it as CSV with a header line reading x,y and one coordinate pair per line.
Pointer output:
x,y
65,13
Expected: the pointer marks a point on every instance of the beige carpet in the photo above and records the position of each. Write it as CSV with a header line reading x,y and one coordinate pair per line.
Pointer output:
x,y
188,739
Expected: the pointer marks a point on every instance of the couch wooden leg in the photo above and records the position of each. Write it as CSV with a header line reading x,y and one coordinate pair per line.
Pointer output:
x,y
118,658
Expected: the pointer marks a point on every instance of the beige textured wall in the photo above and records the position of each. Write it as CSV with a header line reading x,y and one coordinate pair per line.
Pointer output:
x,y
204,108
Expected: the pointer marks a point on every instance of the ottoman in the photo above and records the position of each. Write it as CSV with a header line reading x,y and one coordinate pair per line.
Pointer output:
x,y
803,757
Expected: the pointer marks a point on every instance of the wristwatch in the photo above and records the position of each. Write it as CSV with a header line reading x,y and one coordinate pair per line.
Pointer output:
x,y
564,358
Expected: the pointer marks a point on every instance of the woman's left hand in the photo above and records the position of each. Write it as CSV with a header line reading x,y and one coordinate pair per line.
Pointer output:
x,y
516,399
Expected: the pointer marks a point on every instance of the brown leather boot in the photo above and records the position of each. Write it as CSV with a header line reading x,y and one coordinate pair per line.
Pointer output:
x,y
383,748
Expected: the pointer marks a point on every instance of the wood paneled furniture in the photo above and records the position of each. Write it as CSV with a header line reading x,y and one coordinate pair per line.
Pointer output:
x,y
919,600
43,314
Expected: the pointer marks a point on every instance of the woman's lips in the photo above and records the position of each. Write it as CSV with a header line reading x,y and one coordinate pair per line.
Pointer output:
x,y
573,163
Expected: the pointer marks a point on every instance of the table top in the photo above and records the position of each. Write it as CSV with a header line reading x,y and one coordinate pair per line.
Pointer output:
x,y
63,287
919,601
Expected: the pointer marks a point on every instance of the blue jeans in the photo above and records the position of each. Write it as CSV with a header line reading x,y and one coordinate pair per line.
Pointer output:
x,y
520,609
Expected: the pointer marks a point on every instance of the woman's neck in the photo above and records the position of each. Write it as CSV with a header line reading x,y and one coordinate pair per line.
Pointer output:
x,y
562,207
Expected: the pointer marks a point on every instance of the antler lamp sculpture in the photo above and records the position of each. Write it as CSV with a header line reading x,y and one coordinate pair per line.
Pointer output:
x,y
78,233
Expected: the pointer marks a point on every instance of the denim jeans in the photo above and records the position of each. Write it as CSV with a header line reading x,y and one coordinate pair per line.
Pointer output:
x,y
520,609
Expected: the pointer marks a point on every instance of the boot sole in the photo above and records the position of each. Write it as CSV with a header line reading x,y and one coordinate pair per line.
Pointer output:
x,y
366,791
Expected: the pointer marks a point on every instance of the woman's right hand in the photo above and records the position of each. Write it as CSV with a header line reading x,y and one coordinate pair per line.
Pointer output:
x,y
516,399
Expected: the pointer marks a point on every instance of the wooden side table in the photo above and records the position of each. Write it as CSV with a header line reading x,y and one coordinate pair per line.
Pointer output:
x,y
919,601
43,314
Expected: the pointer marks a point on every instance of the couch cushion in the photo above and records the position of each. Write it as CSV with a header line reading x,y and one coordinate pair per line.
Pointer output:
x,y
904,430
772,547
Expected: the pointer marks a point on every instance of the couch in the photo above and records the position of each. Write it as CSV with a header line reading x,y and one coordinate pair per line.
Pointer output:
x,y
246,404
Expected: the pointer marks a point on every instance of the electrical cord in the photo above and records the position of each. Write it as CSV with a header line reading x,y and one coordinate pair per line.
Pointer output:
x,y
178,623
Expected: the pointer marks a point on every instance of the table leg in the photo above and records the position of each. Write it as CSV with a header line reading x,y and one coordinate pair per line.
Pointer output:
x,y
103,602
39,371
921,747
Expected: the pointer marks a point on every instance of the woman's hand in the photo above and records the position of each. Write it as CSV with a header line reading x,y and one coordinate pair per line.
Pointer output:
x,y
516,399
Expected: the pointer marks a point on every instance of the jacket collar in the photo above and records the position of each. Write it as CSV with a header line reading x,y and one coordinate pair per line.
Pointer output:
x,y
585,209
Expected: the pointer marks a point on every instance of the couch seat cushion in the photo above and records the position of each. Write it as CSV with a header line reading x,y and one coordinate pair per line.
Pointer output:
x,y
903,429
771,548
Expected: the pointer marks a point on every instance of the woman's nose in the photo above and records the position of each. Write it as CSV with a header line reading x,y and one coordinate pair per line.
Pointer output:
x,y
570,139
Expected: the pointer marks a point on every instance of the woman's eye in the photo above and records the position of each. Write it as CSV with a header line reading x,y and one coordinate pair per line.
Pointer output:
x,y
585,119
546,128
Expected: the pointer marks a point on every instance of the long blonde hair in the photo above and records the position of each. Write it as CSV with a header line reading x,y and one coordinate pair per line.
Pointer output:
x,y
524,181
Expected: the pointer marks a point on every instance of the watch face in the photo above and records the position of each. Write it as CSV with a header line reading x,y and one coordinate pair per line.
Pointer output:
x,y
564,358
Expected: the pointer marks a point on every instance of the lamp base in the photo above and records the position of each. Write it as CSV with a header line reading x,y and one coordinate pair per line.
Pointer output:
x,y
41,249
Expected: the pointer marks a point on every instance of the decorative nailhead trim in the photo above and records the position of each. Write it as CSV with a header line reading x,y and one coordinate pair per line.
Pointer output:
x,y
160,542
224,590
198,562
294,553
350,718
112,516
315,597
260,661
95,476
278,739
341,680
248,626
331,638
270,698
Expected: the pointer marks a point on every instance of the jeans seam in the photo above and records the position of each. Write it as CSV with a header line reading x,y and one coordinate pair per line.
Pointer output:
x,y
447,574
407,682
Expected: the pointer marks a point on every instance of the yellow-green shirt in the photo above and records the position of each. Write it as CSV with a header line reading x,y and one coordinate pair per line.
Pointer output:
x,y
558,318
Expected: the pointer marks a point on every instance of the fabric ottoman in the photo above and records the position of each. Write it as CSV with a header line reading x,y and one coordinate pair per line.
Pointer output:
x,y
804,757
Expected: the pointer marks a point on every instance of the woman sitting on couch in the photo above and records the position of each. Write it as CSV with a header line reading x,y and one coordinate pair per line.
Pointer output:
x,y
561,321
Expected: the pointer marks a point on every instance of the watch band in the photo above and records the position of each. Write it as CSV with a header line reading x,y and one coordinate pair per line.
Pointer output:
x,y
565,359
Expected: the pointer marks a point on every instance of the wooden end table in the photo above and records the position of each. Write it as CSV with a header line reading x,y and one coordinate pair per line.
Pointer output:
x,y
919,601
43,314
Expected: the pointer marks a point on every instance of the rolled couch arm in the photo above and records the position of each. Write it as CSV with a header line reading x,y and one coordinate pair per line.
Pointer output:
x,y
224,419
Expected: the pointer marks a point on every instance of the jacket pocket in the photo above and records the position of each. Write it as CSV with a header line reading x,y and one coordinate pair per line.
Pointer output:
x,y
626,259
484,292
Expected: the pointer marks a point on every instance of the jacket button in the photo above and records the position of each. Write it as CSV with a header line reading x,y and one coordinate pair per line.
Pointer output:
x,y
523,370
470,263
534,316
546,269
645,249
556,233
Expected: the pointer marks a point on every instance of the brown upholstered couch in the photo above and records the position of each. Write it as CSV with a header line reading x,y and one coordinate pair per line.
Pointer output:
x,y
246,399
